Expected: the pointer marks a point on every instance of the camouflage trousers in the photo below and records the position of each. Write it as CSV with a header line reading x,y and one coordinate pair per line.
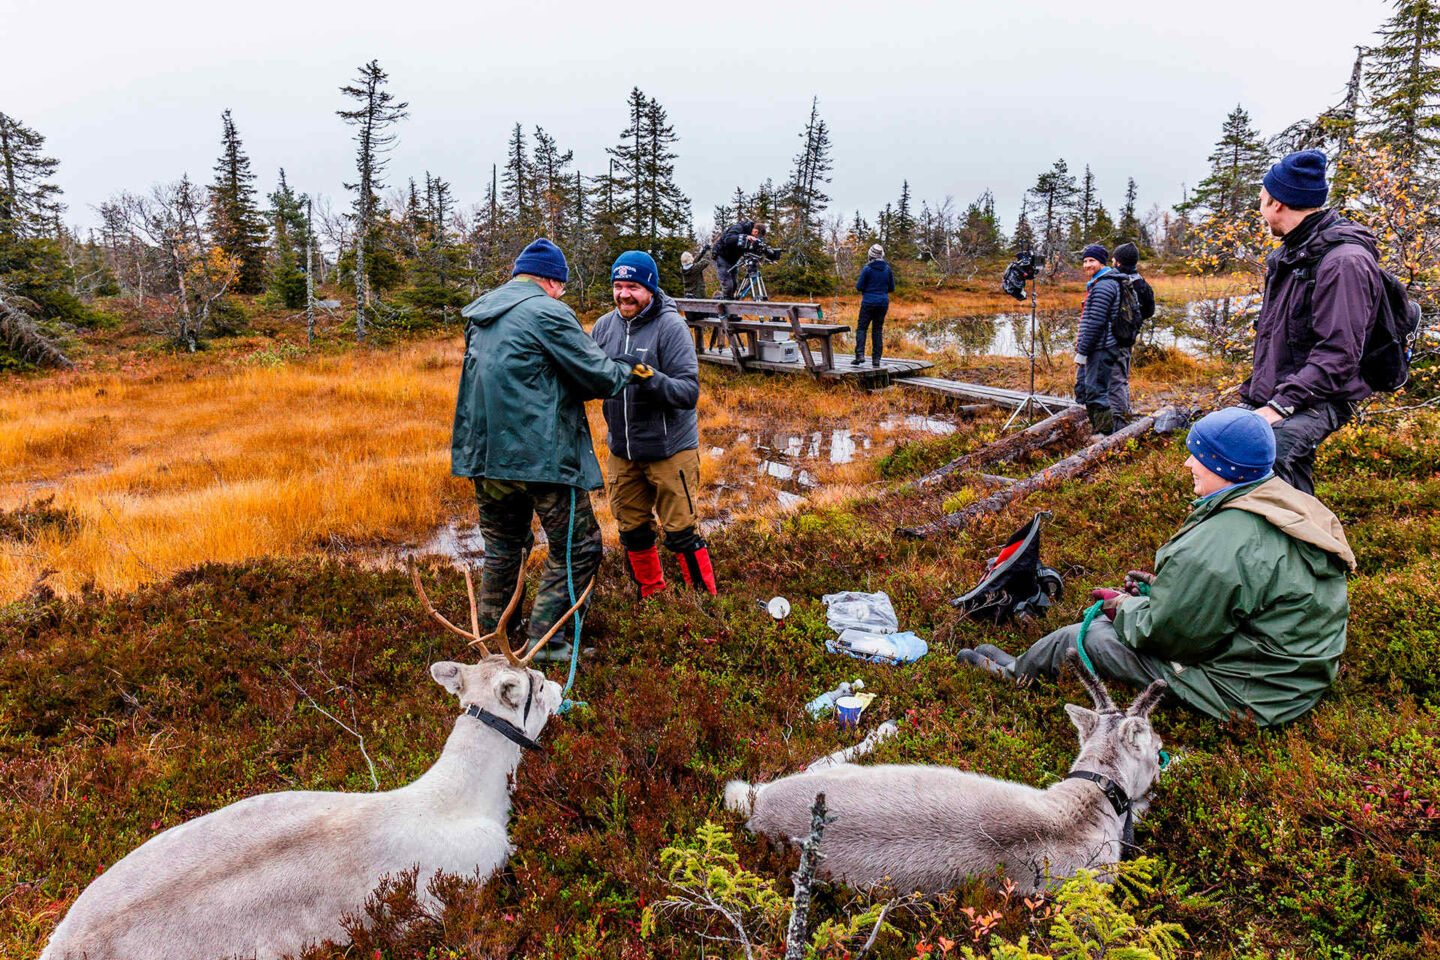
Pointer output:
x,y
506,509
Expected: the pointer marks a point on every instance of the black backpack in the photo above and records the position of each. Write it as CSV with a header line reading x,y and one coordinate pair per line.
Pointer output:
x,y
1126,325
1385,358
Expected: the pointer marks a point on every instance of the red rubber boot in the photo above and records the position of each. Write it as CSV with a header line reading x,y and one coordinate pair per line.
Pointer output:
x,y
645,568
696,569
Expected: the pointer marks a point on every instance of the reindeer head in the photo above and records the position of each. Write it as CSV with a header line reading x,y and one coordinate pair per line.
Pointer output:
x,y
1120,744
514,693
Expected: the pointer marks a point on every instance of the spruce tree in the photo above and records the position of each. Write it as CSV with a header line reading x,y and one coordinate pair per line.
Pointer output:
x,y
1237,165
1404,85
805,196
519,180
376,111
1129,227
1023,239
980,234
32,262
902,225
236,225
626,177
289,226
553,187
28,200
667,210
1054,194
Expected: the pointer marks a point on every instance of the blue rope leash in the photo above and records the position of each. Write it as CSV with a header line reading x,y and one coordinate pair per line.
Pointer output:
x,y
566,704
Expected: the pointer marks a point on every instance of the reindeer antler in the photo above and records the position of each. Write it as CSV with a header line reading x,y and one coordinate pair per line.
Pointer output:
x,y
1149,698
1091,683
528,654
473,634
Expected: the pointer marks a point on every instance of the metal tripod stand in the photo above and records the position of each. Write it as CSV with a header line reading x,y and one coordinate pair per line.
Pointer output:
x,y
1032,401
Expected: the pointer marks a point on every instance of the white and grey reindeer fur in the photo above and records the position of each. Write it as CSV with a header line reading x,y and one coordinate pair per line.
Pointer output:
x,y
921,828
273,873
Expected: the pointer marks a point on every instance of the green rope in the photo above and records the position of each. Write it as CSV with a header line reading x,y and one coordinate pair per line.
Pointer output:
x,y
1090,615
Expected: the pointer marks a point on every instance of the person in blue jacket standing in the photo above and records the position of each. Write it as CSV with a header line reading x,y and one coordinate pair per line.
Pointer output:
x,y
876,283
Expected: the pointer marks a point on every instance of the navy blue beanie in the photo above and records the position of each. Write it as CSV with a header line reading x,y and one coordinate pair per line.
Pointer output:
x,y
637,266
1235,444
1098,252
1299,180
542,259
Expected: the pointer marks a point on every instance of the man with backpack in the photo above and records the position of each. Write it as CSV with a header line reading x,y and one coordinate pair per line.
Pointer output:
x,y
1136,306
1318,347
1095,347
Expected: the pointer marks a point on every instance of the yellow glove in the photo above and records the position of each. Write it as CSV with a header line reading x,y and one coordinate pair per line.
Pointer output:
x,y
643,371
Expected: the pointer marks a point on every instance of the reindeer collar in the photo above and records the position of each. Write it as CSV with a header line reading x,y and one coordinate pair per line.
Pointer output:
x,y
502,726
1120,801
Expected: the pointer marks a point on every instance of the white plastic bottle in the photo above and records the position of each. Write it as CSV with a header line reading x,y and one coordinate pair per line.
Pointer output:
x,y
825,703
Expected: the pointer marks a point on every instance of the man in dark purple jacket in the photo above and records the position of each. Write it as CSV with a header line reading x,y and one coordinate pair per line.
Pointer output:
x,y
1322,293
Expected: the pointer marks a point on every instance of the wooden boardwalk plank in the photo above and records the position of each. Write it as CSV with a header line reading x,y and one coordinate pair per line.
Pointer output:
x,y
844,367
979,391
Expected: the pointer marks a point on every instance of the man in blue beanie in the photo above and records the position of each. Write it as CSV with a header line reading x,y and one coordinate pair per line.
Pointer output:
x,y
1096,351
522,437
1322,295
1245,613
654,469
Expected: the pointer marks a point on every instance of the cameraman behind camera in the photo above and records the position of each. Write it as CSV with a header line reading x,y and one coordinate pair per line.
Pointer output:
x,y
738,240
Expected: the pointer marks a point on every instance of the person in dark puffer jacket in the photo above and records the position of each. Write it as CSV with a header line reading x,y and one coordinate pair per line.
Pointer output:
x,y
1127,258
1095,348
654,434
875,283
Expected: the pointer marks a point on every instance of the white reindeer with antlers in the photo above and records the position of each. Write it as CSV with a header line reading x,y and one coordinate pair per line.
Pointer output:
x,y
924,829
271,874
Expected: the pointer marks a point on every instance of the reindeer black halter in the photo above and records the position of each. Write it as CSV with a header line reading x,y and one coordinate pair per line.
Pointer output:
x,y
1120,801
504,727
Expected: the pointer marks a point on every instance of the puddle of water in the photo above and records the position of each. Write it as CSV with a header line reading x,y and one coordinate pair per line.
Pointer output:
x,y
786,472
1008,334
461,543
844,445
916,422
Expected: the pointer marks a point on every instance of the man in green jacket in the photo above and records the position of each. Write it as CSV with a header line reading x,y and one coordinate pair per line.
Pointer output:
x,y
1245,613
522,436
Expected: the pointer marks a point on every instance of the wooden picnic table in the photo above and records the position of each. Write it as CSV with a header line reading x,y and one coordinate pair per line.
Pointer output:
x,y
725,321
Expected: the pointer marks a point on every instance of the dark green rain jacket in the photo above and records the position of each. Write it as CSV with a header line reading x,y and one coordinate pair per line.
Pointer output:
x,y
1249,604
529,368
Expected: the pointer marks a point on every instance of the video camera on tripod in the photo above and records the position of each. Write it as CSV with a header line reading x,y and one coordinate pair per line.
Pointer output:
x,y
1021,271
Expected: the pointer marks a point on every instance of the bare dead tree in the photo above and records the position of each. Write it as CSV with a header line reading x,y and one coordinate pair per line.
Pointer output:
x,y
22,336
804,877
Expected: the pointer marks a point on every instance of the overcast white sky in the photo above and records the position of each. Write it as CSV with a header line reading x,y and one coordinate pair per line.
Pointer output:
x,y
957,96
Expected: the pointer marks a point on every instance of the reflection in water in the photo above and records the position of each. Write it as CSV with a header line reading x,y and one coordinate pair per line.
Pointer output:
x,y
916,422
1008,334
462,544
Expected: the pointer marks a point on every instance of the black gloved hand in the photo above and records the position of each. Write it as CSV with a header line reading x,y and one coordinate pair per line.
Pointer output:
x,y
633,359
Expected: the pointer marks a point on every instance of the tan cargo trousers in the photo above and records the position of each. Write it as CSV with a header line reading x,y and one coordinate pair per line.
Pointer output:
x,y
642,490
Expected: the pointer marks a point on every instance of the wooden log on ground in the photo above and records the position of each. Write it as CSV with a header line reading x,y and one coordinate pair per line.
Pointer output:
x,y
1050,430
1072,466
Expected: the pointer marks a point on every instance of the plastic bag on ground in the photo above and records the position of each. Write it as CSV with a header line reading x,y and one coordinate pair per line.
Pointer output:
x,y
891,648
870,612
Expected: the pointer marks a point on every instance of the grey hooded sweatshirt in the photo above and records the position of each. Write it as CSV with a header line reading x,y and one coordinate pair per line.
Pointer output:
x,y
652,418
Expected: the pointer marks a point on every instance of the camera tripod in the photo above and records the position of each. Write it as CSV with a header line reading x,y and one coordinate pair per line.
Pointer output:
x,y
1032,401
753,286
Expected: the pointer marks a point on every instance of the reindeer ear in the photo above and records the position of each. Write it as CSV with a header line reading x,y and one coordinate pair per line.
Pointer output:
x,y
510,690
1133,730
448,674
1084,720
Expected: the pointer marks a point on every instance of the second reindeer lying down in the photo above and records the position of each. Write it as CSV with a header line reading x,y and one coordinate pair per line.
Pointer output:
x,y
926,828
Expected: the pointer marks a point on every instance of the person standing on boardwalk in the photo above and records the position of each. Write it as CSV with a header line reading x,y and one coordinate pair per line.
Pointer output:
x,y
875,283
692,272
1127,258
1322,295
522,437
740,238
1095,348
654,434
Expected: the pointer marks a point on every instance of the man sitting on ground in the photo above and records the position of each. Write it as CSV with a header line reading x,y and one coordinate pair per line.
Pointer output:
x,y
1245,613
